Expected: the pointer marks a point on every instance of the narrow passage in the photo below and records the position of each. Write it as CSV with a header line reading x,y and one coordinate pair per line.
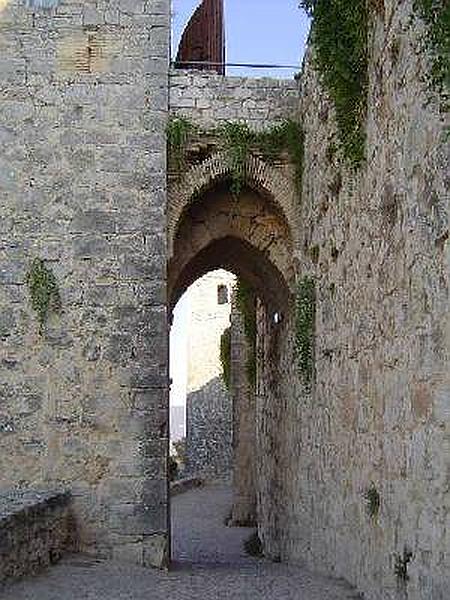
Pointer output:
x,y
209,564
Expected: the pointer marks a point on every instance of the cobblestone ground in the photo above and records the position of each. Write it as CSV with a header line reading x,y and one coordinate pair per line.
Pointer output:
x,y
209,565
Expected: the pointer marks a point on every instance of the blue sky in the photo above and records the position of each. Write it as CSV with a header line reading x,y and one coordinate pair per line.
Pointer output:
x,y
258,31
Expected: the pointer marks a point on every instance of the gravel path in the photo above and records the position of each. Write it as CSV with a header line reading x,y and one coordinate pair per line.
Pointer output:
x,y
209,565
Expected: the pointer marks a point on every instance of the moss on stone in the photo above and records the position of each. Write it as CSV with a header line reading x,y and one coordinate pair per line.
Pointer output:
x,y
225,357
305,328
436,15
339,38
43,291
245,300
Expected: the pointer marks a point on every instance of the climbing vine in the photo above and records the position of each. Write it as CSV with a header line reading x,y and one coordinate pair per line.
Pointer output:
x,y
401,565
339,37
43,291
237,141
436,15
305,328
225,357
179,130
245,301
288,137
373,501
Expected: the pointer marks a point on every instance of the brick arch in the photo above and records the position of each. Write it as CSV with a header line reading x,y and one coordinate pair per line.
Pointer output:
x,y
245,234
266,179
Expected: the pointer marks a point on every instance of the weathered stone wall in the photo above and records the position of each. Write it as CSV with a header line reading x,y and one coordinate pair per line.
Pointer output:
x,y
83,100
83,105
244,425
207,321
377,245
209,431
36,529
209,427
208,99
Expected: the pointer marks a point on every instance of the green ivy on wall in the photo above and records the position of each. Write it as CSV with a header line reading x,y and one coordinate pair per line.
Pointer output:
x,y
436,15
225,357
305,328
237,141
178,132
43,291
245,301
373,501
339,38
288,137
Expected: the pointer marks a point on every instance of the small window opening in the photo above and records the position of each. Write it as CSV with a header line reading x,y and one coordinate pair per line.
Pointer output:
x,y
222,294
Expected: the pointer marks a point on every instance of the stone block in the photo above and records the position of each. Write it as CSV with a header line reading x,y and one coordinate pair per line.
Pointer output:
x,y
156,551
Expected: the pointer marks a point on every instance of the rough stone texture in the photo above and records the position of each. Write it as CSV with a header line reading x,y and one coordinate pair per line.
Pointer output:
x,y
82,179
209,99
209,431
207,321
181,486
244,426
83,104
274,183
36,528
210,564
209,426
250,238
377,245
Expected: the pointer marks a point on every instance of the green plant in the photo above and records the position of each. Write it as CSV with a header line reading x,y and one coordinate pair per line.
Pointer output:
x,y
288,137
225,357
43,291
245,301
236,139
173,468
180,452
436,15
373,501
253,546
178,132
305,328
314,253
339,37
401,565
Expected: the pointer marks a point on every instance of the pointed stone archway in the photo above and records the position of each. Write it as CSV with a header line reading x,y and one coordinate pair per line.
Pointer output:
x,y
249,234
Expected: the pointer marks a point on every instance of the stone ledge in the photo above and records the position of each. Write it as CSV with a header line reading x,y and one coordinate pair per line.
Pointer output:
x,y
184,485
36,528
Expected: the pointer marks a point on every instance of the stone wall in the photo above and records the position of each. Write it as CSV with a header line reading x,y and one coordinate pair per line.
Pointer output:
x,y
209,431
209,427
244,426
83,104
36,528
208,318
377,245
208,99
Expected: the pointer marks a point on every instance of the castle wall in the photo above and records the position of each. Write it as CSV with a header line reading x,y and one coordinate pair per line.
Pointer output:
x,y
244,425
208,99
377,245
84,94
83,104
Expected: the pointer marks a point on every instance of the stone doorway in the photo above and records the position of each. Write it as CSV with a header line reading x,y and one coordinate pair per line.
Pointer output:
x,y
247,234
